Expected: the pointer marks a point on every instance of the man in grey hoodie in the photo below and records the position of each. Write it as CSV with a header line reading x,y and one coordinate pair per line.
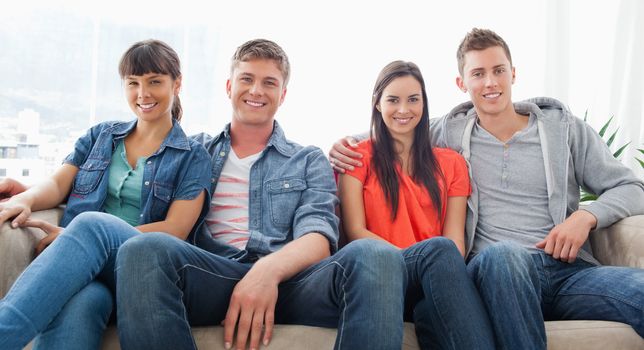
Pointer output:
x,y
527,244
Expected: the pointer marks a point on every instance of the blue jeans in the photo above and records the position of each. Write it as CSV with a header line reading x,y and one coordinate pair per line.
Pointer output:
x,y
443,302
524,288
58,296
359,290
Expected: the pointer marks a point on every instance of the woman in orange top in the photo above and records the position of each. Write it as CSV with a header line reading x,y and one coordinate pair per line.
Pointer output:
x,y
414,197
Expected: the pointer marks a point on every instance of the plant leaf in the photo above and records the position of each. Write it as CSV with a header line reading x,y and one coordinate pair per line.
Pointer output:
x,y
620,150
603,129
612,138
641,162
588,197
586,115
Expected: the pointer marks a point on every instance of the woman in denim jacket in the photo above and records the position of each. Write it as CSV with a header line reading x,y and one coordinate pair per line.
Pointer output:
x,y
122,178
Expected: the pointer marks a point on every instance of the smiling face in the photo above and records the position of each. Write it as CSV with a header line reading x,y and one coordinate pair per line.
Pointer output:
x,y
488,76
256,90
401,106
151,95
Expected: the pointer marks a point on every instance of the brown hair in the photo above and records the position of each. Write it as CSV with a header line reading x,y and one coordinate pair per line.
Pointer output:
x,y
152,56
262,49
425,168
479,39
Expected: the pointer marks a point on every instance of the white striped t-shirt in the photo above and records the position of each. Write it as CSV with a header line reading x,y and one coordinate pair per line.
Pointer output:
x,y
227,219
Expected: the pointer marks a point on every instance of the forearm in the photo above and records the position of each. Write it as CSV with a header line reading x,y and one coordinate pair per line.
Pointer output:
x,y
45,195
294,257
458,239
166,226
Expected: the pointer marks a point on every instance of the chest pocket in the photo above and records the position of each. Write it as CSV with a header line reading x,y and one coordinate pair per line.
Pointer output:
x,y
162,197
284,196
89,175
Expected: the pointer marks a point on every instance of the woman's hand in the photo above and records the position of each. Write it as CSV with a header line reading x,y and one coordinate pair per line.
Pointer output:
x,y
52,232
17,207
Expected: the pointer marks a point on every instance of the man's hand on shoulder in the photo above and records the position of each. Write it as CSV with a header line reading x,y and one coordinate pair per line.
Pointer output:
x,y
564,240
252,308
342,157
9,188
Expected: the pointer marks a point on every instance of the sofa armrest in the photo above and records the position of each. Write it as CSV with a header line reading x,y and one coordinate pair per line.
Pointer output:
x,y
17,247
621,244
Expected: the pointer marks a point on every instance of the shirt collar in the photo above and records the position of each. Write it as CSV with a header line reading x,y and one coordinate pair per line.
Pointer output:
x,y
176,138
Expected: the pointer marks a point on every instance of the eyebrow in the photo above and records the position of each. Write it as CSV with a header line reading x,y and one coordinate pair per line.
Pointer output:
x,y
253,76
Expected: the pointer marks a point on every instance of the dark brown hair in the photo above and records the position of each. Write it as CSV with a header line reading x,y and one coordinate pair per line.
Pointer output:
x,y
479,39
424,167
152,56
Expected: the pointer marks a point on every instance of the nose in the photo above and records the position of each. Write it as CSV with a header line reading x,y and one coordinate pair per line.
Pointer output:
x,y
256,88
490,80
143,91
403,108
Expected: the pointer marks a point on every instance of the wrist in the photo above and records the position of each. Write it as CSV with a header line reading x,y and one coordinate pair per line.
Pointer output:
x,y
587,218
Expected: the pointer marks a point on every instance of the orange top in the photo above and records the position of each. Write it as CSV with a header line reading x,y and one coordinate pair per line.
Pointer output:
x,y
417,218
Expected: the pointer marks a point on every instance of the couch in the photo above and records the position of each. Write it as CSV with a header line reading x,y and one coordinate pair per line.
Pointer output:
x,y
621,244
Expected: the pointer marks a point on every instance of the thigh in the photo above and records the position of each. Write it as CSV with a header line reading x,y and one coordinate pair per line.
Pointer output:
x,y
601,293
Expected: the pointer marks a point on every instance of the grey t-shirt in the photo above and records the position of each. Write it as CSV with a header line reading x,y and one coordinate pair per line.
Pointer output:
x,y
511,180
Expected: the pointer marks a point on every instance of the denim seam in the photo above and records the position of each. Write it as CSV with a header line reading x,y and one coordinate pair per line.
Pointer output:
x,y
183,267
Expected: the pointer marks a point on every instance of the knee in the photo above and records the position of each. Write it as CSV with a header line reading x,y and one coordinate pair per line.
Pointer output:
x,y
145,249
94,301
507,253
503,259
376,257
90,224
437,246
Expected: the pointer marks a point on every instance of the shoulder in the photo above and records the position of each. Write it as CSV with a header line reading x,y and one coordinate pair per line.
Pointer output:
x,y
446,155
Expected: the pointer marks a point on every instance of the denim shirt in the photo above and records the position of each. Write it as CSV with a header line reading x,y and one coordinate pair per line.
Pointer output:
x,y
291,193
179,169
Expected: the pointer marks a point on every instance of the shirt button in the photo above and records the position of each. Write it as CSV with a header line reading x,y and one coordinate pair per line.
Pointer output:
x,y
149,162
505,145
221,154
147,183
212,180
141,215
286,185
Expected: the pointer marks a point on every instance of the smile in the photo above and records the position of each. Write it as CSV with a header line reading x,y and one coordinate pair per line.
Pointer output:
x,y
146,106
254,103
492,95
403,121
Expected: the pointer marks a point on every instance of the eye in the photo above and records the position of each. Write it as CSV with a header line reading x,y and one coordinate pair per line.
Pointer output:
x,y
270,83
392,100
245,79
477,74
414,99
500,70
132,83
155,82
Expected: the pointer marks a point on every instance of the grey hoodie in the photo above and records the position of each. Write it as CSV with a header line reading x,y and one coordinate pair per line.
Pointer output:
x,y
574,155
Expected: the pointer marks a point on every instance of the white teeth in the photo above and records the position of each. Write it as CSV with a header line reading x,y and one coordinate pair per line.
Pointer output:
x,y
403,120
494,95
148,105
254,104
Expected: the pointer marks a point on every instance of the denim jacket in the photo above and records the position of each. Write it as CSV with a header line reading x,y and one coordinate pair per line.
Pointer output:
x,y
291,193
179,169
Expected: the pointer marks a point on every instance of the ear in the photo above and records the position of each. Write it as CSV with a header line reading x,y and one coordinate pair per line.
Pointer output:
x,y
177,85
514,75
378,107
460,84
228,87
282,96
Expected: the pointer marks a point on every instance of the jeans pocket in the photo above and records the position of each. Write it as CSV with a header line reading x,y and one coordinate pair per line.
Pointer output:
x,y
284,196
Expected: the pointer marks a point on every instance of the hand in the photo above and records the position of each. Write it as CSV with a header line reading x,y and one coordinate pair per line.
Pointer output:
x,y
17,208
251,308
564,240
52,232
342,157
10,187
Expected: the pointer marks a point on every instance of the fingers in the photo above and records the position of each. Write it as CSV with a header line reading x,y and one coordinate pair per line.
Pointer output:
x,y
256,330
243,327
269,321
21,218
44,243
43,225
8,213
229,324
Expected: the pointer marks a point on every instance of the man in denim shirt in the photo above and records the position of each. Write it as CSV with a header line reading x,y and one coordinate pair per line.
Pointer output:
x,y
263,256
